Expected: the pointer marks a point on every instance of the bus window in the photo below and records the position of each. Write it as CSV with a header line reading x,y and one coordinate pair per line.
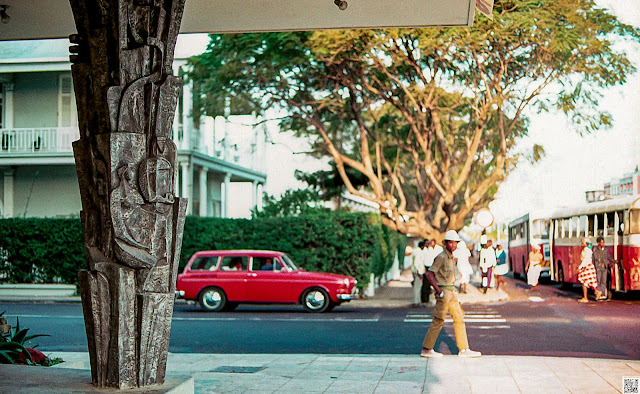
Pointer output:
x,y
585,226
544,229
565,228
576,228
634,221
610,220
599,224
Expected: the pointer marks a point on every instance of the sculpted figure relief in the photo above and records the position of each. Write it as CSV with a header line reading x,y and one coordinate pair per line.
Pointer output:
x,y
132,221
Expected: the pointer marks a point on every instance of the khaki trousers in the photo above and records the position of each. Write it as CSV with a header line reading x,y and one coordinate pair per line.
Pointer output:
x,y
448,303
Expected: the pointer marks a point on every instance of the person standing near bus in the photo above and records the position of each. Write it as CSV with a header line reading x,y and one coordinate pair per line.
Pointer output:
x,y
534,266
501,267
587,272
602,261
486,264
442,277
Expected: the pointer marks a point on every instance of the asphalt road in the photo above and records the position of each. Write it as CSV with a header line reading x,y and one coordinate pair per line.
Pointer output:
x,y
547,322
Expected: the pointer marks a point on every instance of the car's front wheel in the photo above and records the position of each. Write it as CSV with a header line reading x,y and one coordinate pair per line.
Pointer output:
x,y
212,299
316,300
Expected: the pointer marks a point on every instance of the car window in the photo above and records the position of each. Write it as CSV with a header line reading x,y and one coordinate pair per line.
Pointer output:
x,y
266,264
289,263
234,263
205,263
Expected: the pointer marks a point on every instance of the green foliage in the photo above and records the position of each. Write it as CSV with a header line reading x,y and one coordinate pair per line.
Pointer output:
x,y
41,250
51,250
429,118
291,203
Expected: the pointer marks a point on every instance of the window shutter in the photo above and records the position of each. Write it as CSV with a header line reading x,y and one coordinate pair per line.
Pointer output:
x,y
67,112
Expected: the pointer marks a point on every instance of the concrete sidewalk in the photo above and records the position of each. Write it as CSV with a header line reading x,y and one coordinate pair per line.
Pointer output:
x,y
314,373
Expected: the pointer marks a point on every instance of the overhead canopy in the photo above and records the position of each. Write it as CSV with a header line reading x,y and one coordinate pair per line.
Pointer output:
x,y
36,19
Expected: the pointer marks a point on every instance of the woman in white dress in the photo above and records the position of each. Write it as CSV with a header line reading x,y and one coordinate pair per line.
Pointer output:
x,y
534,266
462,255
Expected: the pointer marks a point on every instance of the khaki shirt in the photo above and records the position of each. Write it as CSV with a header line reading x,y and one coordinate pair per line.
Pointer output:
x,y
443,269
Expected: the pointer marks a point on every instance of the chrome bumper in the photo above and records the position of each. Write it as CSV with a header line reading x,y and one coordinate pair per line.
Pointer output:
x,y
347,297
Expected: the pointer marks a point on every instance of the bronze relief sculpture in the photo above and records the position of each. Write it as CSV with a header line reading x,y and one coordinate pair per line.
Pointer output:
x,y
127,170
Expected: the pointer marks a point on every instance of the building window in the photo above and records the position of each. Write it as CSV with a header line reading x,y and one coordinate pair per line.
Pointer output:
x,y
1,106
67,112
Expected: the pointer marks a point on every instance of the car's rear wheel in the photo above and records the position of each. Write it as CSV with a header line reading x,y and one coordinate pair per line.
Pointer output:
x,y
212,299
316,300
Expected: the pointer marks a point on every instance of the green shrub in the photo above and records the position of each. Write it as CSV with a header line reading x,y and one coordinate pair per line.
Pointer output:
x,y
41,250
356,244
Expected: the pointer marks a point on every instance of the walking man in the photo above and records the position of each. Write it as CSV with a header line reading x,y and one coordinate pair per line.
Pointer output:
x,y
602,260
441,275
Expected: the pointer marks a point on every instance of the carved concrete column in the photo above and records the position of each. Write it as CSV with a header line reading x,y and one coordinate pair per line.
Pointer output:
x,y
127,169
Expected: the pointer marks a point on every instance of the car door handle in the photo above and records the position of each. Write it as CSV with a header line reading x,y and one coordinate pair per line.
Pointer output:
x,y
252,274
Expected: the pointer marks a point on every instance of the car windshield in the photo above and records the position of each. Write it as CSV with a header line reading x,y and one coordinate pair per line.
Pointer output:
x,y
289,263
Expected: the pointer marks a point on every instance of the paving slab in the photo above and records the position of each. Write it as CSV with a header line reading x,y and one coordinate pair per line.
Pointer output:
x,y
353,373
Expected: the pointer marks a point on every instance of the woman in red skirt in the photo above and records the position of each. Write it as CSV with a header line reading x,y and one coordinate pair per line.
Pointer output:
x,y
587,271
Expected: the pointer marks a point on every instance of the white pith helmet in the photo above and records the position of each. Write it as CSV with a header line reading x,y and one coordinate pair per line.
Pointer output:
x,y
452,235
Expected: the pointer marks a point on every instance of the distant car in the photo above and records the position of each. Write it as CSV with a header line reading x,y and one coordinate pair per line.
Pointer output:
x,y
220,280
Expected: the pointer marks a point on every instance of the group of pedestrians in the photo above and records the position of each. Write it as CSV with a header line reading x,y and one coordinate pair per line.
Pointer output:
x,y
492,264
436,268
423,257
594,269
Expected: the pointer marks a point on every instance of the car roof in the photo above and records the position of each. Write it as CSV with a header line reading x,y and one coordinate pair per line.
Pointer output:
x,y
239,252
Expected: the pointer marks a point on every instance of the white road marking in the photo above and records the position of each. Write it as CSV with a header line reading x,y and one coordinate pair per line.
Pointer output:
x,y
213,318
488,327
536,299
475,319
467,316
448,320
45,316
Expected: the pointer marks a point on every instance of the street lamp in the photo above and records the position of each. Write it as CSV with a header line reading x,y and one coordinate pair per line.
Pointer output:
x,y
484,219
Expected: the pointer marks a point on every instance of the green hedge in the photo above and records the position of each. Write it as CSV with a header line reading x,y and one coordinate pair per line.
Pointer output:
x,y
356,244
41,250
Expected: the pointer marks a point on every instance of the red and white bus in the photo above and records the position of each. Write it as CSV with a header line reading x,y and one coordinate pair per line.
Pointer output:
x,y
617,221
532,228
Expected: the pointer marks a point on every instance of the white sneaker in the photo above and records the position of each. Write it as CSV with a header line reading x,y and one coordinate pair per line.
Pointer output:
x,y
469,353
430,353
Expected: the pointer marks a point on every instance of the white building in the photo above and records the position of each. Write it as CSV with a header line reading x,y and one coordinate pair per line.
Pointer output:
x,y
38,123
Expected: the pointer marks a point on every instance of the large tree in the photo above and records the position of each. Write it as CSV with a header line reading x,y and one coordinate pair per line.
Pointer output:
x,y
429,117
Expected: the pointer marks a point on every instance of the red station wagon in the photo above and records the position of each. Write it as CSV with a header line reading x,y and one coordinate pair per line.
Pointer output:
x,y
221,279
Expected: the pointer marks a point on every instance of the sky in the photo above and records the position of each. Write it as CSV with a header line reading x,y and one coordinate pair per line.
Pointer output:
x,y
572,165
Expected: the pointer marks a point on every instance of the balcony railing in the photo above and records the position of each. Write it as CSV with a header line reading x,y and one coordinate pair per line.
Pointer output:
x,y
38,140
44,140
